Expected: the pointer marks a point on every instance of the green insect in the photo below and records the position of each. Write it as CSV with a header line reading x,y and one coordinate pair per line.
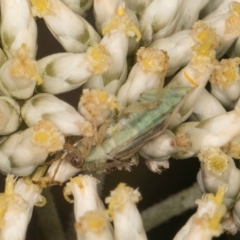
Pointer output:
x,y
130,132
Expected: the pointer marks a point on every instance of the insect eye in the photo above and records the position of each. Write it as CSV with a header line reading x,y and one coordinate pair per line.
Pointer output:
x,y
76,161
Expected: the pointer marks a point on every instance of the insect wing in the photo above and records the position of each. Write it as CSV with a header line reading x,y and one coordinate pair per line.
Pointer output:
x,y
170,106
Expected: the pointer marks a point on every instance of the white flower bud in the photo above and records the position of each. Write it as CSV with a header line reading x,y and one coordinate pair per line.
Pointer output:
x,y
205,223
148,73
236,214
23,151
197,72
19,75
116,42
207,106
73,32
218,168
16,207
59,76
225,82
96,106
85,196
122,209
61,171
61,114
14,33
161,19
226,23
10,118
79,6
232,148
159,150
213,132
125,21
94,225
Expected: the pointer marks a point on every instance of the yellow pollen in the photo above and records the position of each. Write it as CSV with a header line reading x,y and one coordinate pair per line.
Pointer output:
x,y
9,185
233,21
41,7
152,60
25,67
206,41
226,73
235,6
46,136
121,196
217,164
121,11
122,23
195,84
100,58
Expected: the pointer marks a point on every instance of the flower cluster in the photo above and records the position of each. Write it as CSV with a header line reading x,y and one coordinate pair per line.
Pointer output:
x,y
143,71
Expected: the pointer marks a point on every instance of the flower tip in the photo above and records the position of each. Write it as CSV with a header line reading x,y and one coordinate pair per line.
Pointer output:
x,y
153,60
226,72
47,136
121,196
100,58
41,7
216,160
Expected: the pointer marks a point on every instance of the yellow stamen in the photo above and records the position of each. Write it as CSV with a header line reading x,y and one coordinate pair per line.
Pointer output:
x,y
215,159
42,7
195,84
206,41
152,60
123,23
121,196
96,101
9,185
226,73
46,135
100,59
25,67
233,21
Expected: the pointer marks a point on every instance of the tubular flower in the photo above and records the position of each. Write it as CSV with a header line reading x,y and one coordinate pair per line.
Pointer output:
x,y
19,75
205,223
207,106
197,72
217,131
159,150
225,82
123,211
97,106
148,73
232,148
85,196
59,76
79,6
94,225
15,33
61,114
218,168
127,23
73,32
23,151
10,118
176,46
161,19
18,200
